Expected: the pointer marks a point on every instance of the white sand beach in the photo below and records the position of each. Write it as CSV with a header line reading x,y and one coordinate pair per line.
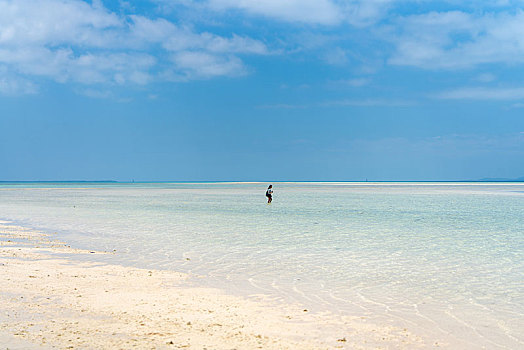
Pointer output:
x,y
50,299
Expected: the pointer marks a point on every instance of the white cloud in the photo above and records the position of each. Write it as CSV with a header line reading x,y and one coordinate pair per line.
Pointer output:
x,y
491,32
86,43
306,11
145,30
235,44
81,42
56,22
324,12
174,38
15,86
204,65
363,13
454,40
64,65
481,93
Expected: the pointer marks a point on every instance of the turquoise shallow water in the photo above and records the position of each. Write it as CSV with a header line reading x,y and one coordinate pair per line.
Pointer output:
x,y
443,259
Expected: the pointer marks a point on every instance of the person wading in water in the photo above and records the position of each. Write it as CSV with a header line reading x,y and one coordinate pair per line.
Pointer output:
x,y
269,194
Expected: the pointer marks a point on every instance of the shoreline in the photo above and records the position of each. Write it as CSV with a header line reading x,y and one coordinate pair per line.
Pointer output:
x,y
50,299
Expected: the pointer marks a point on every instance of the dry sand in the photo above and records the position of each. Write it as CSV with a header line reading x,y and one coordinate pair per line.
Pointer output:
x,y
49,299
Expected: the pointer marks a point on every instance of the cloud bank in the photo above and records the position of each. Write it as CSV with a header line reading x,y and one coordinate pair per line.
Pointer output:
x,y
85,43
457,40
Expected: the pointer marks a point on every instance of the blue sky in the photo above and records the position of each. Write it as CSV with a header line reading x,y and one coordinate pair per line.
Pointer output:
x,y
261,90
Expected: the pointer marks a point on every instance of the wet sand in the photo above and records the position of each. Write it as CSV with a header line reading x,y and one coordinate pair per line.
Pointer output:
x,y
53,296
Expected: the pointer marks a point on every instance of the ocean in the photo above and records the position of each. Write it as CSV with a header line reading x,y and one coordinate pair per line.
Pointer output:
x,y
445,260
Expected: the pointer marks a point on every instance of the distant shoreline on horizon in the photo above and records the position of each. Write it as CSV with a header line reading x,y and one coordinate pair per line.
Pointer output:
x,y
486,180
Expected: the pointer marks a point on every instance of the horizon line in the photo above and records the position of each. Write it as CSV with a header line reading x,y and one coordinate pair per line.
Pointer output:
x,y
257,181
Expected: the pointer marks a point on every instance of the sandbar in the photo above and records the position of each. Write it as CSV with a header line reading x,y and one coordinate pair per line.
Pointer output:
x,y
54,296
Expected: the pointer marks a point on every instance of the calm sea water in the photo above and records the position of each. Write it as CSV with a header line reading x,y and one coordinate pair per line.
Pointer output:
x,y
442,259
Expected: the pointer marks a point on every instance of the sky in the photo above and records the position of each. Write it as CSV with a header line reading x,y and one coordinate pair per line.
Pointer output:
x,y
251,90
